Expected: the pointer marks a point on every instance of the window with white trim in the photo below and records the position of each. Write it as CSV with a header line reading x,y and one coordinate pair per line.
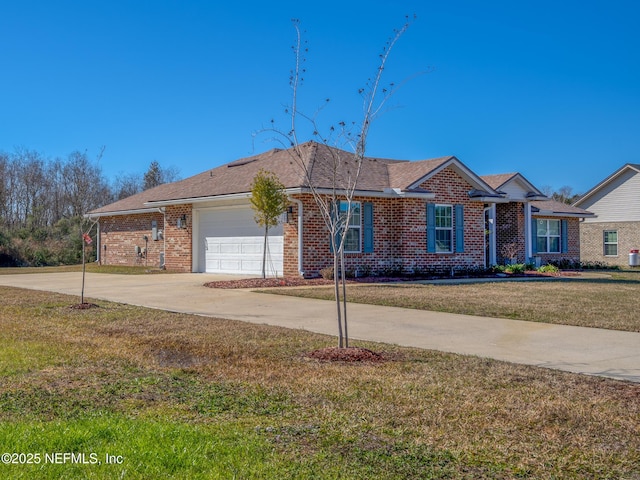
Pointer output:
x,y
610,242
352,240
548,236
444,228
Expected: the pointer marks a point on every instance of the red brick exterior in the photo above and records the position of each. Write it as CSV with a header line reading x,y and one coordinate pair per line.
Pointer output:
x,y
399,233
510,231
178,257
573,243
121,234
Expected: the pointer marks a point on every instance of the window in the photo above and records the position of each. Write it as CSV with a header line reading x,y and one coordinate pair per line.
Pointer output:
x,y
352,239
611,243
548,236
444,228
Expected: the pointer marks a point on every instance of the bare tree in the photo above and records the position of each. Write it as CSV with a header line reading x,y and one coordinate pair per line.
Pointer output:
x,y
342,168
84,185
126,185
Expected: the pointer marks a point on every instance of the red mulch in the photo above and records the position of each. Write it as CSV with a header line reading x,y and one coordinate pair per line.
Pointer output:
x,y
350,354
84,306
269,282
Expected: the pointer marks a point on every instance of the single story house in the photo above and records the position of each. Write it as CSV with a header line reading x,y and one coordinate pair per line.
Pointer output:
x,y
614,229
408,215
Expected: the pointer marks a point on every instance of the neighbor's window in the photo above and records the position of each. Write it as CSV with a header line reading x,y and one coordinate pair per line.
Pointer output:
x,y
611,243
352,240
548,240
444,228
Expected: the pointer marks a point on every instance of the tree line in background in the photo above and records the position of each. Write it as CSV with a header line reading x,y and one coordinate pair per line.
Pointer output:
x,y
42,203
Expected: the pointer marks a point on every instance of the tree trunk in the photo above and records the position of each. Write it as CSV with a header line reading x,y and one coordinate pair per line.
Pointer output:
x,y
264,252
344,298
83,272
337,294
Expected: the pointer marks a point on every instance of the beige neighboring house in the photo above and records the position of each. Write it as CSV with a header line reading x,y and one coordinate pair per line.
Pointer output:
x,y
614,230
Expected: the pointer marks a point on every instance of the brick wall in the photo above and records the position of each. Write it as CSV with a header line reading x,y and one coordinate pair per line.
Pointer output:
x,y
399,233
573,250
592,241
178,240
122,233
510,231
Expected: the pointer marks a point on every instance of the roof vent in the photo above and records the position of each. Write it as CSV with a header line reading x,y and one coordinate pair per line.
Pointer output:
x,y
242,161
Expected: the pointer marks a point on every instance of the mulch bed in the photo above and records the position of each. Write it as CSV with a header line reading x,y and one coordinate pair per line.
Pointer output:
x,y
269,282
84,306
350,354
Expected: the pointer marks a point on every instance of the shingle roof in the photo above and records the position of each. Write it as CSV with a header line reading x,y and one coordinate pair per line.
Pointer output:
x,y
558,208
378,175
496,181
403,174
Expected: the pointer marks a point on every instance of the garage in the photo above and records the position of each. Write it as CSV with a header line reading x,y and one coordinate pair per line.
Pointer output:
x,y
232,242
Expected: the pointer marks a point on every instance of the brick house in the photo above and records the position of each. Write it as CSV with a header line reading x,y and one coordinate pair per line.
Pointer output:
x,y
407,216
614,229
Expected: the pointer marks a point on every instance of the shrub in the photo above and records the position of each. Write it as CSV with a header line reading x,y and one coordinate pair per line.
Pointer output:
x,y
327,273
548,269
515,269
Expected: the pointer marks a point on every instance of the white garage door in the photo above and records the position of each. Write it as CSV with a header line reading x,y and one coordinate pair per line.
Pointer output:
x,y
233,242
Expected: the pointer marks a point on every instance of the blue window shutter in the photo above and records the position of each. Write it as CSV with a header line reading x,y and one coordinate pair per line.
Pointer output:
x,y
368,227
564,238
431,228
534,235
459,228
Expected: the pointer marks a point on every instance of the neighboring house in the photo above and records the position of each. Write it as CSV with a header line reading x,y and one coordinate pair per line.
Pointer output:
x,y
431,215
531,226
614,230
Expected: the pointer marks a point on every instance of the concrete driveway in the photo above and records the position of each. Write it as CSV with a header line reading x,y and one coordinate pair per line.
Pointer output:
x,y
575,349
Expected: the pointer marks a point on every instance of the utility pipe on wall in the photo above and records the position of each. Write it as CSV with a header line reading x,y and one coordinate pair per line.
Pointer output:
x,y
300,242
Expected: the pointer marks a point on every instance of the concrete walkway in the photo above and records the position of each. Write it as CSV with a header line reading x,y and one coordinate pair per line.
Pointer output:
x,y
575,349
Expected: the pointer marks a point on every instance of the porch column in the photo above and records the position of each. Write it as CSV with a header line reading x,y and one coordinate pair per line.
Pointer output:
x,y
490,234
528,250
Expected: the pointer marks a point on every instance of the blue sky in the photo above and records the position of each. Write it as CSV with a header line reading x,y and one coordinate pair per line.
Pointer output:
x,y
547,88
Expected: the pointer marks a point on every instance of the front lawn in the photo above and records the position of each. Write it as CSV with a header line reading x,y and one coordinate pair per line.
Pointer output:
x,y
126,392
603,301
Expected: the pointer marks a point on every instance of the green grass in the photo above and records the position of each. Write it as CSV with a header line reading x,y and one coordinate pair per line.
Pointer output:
x,y
180,396
90,267
602,301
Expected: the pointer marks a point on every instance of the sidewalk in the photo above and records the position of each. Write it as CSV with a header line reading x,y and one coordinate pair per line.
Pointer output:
x,y
576,349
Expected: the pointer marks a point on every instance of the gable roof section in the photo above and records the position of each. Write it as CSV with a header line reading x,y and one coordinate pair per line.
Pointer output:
x,y
634,167
554,208
408,176
509,183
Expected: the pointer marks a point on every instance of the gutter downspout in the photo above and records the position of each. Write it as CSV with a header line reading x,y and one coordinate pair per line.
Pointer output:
x,y
300,242
98,252
162,210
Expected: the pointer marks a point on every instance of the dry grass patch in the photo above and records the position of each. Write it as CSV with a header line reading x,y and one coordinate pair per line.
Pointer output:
x,y
419,414
590,302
